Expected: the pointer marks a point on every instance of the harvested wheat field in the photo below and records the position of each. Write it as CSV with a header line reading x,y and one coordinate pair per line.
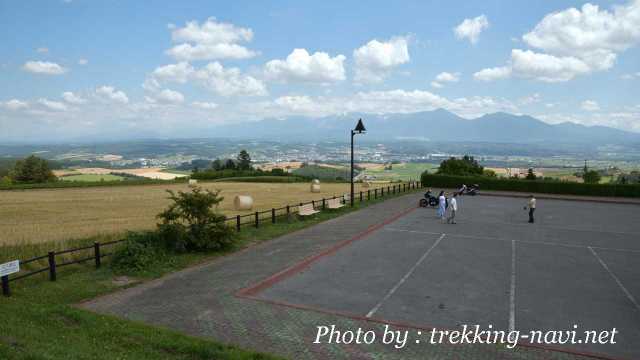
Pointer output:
x,y
43,215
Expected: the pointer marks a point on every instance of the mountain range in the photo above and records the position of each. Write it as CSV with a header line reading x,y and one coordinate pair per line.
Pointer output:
x,y
436,125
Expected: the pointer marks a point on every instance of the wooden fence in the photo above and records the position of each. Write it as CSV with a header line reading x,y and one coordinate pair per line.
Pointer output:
x,y
95,252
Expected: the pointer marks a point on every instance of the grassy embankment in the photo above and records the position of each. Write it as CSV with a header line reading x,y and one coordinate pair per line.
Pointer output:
x,y
39,321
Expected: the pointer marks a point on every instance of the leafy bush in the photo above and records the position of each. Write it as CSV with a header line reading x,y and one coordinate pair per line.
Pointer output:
x,y
190,223
139,252
536,186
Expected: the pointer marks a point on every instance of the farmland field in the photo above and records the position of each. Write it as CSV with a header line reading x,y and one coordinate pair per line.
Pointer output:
x,y
92,177
403,171
44,215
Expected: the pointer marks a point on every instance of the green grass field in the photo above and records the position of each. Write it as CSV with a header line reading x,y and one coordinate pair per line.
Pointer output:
x,y
92,177
404,171
40,321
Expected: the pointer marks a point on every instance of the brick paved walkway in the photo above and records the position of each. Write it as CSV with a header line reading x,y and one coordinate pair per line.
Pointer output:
x,y
200,301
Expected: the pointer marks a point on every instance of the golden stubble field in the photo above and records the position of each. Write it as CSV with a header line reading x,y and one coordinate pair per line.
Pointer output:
x,y
46,215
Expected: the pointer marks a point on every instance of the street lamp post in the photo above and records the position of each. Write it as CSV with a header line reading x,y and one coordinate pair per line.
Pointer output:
x,y
358,130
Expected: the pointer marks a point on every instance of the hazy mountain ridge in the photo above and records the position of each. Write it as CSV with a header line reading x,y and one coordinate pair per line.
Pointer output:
x,y
437,125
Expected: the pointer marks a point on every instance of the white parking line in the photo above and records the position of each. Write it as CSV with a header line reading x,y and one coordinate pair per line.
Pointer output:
x,y
522,241
404,278
512,295
624,289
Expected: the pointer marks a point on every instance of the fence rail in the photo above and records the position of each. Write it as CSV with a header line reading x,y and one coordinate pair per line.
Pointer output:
x,y
255,220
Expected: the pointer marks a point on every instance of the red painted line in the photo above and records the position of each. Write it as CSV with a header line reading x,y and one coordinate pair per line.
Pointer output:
x,y
252,291
305,263
425,327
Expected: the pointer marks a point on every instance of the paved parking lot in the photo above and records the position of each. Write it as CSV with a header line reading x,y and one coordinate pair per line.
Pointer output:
x,y
391,263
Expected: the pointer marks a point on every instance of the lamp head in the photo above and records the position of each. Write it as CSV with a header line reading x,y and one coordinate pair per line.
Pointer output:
x,y
359,127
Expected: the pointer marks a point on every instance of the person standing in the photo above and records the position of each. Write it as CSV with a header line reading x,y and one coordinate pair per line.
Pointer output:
x,y
532,208
453,205
442,205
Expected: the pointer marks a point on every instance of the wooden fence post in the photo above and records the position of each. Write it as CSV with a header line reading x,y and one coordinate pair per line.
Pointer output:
x,y
52,266
323,204
238,223
273,215
360,196
6,291
375,193
257,219
368,194
96,254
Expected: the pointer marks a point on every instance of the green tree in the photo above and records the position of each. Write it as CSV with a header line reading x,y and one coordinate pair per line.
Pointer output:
x,y
229,165
191,221
31,170
530,175
217,165
591,177
244,160
465,166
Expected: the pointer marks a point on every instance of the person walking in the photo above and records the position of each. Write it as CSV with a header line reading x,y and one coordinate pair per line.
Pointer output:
x,y
531,205
453,205
442,205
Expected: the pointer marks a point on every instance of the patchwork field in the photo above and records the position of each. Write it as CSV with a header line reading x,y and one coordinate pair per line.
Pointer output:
x,y
44,215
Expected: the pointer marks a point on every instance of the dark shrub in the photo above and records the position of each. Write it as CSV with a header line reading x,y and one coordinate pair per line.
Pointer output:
x,y
139,252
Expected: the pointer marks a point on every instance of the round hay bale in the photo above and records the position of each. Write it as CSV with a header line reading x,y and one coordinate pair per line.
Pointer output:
x,y
243,202
193,182
315,188
315,181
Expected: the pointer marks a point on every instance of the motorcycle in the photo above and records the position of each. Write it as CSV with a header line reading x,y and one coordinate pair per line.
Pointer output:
x,y
471,190
428,200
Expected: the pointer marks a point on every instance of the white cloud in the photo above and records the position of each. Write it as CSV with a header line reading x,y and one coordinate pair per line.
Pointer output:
x,y
547,68
375,59
180,72
205,105
590,105
52,105
169,97
492,74
230,81
72,98
190,52
83,62
589,32
211,32
531,99
42,50
577,42
109,93
448,77
213,76
14,104
43,67
301,66
445,77
210,40
471,28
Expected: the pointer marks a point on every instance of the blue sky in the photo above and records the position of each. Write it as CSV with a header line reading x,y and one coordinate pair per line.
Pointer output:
x,y
80,68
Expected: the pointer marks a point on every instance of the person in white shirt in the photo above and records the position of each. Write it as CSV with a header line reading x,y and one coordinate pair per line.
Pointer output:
x,y
531,205
442,205
453,205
